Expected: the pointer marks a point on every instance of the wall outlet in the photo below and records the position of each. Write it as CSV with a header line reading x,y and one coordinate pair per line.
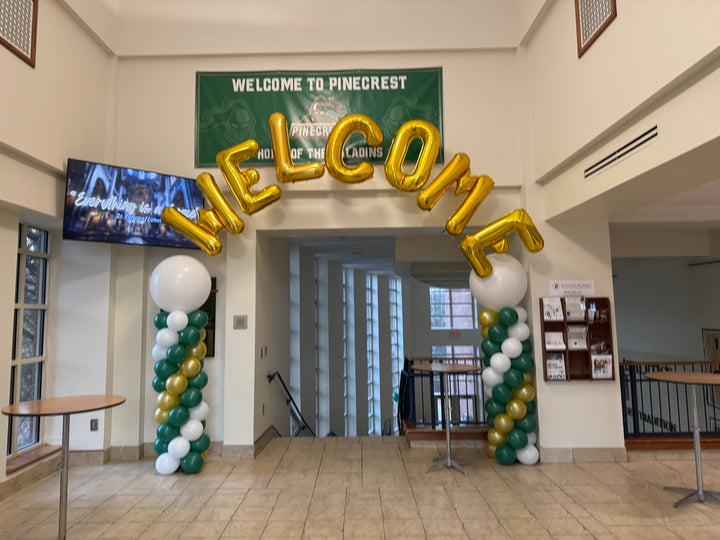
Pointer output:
x,y
93,424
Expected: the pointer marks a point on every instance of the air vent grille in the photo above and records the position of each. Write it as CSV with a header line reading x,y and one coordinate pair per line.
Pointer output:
x,y
621,152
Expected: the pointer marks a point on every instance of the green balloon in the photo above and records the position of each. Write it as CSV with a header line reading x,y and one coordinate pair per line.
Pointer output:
x,y
486,361
167,432
505,455
198,318
489,347
176,353
517,439
160,320
524,363
160,447
502,393
507,316
189,336
493,407
191,397
527,346
498,333
530,406
527,423
513,378
491,421
201,444
204,423
164,369
192,462
198,381
158,384
178,415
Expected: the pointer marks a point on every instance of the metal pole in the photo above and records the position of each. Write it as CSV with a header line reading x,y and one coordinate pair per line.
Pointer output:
x,y
696,444
62,522
447,417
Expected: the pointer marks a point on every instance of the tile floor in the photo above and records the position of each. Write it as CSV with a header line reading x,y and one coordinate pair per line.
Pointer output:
x,y
369,488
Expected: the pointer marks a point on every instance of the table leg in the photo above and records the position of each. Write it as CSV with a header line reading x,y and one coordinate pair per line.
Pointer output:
x,y
62,523
447,461
695,494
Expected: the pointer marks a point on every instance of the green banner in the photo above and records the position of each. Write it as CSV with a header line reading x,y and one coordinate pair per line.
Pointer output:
x,y
233,107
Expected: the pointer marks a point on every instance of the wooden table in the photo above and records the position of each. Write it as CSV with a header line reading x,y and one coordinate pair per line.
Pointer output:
x,y
693,379
64,406
446,368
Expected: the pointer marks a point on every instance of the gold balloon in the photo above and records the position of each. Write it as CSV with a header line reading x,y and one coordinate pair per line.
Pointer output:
x,y
488,317
529,377
240,181
204,456
484,332
516,409
285,169
220,205
476,187
525,393
167,401
504,423
490,450
336,141
496,438
200,236
190,366
161,415
176,383
495,235
199,350
430,137
203,334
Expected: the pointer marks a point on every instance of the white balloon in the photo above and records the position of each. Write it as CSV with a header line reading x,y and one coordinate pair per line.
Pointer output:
x,y
178,448
532,437
504,287
528,455
177,320
487,389
500,362
491,377
166,464
511,347
192,430
159,352
522,313
519,330
166,337
180,283
200,411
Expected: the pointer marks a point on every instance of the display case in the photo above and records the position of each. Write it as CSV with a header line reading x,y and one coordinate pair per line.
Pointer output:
x,y
576,338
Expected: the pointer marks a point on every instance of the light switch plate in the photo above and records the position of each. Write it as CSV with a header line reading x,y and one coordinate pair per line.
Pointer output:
x,y
240,322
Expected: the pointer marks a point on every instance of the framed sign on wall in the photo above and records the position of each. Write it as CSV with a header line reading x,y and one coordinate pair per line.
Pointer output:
x,y
592,17
18,27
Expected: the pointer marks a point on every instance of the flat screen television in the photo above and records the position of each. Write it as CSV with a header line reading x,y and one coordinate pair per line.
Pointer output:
x,y
104,203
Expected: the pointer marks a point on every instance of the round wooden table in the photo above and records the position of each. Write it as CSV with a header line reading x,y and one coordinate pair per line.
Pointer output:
x,y
446,368
64,406
693,379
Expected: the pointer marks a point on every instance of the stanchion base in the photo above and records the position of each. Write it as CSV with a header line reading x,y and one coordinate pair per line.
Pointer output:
x,y
441,463
692,495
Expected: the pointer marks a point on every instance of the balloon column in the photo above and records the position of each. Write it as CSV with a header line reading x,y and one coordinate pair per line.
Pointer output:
x,y
179,285
508,372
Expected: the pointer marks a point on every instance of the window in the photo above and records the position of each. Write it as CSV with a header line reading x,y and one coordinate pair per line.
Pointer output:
x,y
452,308
29,324
371,323
396,335
345,357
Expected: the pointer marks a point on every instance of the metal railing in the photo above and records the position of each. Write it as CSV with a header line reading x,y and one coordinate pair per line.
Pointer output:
x,y
660,408
422,395
299,424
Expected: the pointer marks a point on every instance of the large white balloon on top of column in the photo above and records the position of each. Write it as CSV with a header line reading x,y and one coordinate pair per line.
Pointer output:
x,y
180,283
506,285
